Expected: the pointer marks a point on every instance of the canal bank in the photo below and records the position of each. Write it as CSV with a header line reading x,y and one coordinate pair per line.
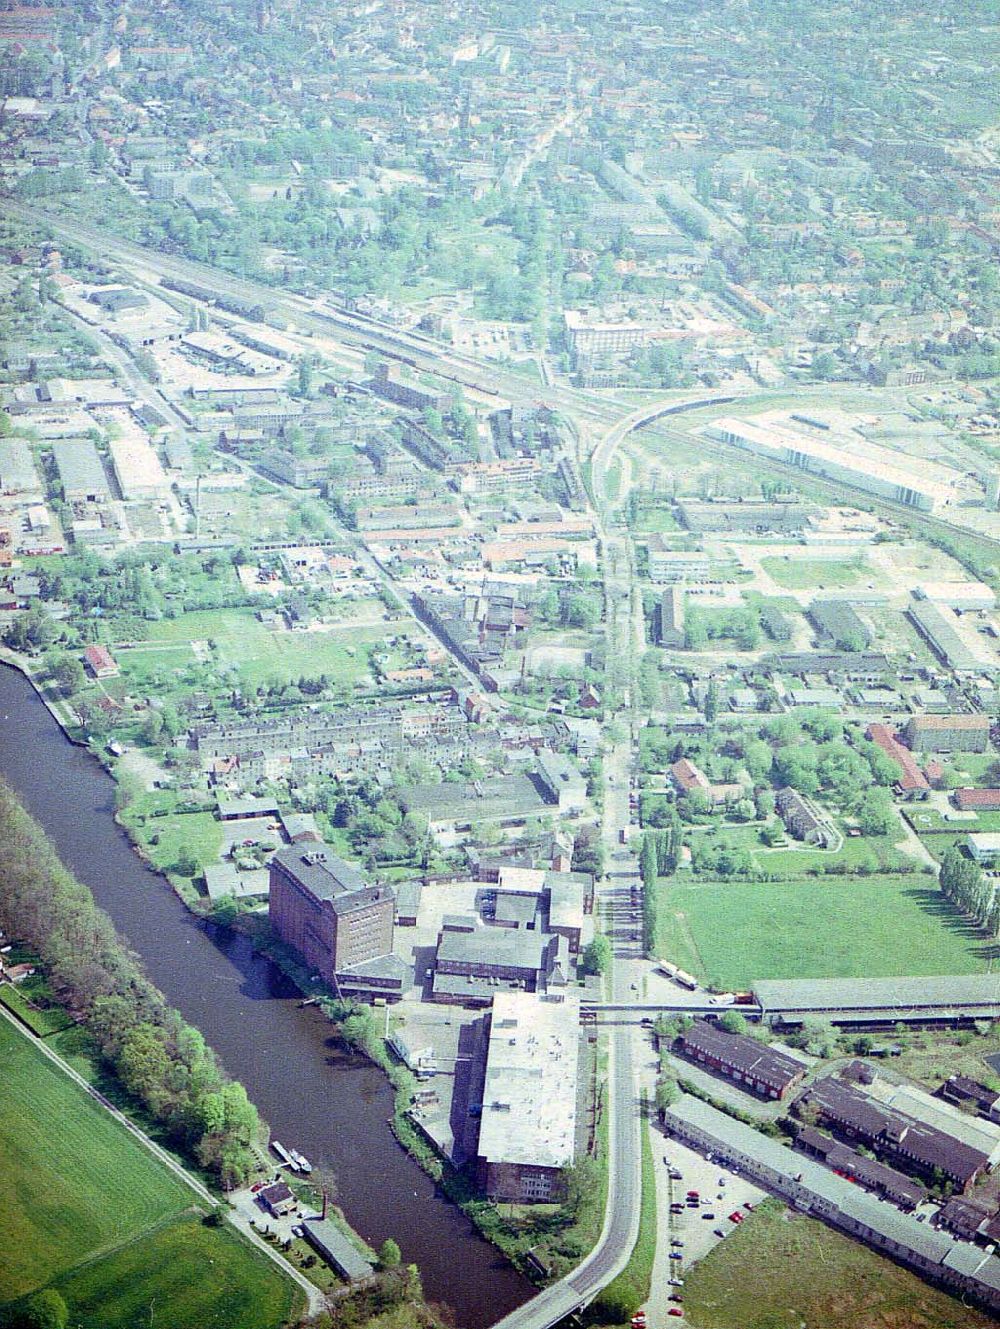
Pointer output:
x,y
333,1105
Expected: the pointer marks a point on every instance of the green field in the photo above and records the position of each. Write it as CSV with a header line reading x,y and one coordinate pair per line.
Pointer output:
x,y
181,1276
812,574
787,1270
834,927
74,1181
258,653
197,833
88,1209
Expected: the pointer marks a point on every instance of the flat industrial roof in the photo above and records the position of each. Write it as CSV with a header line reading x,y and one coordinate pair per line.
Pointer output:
x,y
850,451
530,1093
877,994
481,800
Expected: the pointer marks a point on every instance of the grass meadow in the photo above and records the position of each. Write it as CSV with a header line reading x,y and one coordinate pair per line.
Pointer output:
x,y
788,1270
826,927
87,1209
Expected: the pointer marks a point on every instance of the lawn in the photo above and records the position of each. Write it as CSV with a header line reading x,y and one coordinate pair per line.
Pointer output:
x,y
198,833
259,654
798,860
90,1211
75,1182
41,1020
655,519
834,927
182,1275
811,574
789,1270
613,479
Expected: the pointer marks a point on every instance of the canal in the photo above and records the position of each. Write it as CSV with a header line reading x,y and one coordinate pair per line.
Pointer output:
x,y
332,1106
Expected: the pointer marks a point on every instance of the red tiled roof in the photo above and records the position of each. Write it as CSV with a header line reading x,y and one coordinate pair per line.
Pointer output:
x,y
983,799
911,776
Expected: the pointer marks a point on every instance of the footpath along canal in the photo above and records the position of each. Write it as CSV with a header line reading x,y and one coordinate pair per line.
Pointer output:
x,y
331,1105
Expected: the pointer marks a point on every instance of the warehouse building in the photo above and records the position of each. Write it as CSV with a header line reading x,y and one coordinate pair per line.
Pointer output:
x,y
911,482
745,518
753,1065
880,1000
18,475
527,1132
323,908
138,470
671,632
941,628
473,963
948,733
839,624
867,1172
81,471
926,1149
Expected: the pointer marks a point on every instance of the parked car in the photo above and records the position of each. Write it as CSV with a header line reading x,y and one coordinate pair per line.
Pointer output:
x,y
676,1255
675,1310
709,1217
736,1216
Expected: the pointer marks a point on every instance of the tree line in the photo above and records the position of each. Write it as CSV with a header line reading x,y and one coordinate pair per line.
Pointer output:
x,y
659,855
963,883
159,1059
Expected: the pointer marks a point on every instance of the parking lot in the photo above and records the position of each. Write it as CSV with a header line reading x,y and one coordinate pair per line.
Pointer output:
x,y
689,1225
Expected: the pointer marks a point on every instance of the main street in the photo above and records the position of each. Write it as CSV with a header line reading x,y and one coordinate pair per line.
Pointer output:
x,y
622,1103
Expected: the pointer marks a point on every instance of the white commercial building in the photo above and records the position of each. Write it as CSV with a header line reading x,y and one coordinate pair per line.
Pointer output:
x,y
138,469
527,1133
984,846
910,481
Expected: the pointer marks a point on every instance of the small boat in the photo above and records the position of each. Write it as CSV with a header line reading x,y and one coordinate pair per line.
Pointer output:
x,y
300,1161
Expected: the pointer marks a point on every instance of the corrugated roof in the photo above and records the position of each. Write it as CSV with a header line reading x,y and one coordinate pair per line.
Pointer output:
x,y
821,994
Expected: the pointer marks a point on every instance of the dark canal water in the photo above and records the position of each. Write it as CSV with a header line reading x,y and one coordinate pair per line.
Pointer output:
x,y
332,1107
